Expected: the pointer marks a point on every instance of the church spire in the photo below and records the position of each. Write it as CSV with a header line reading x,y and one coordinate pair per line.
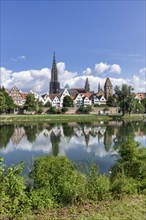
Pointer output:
x,y
99,87
87,86
54,72
54,84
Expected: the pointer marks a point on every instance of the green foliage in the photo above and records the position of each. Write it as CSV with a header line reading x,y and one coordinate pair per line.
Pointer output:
x,y
3,105
52,110
13,197
67,101
6,101
125,98
144,103
55,181
48,104
64,109
5,136
60,177
131,164
30,104
123,185
111,101
85,109
97,185
139,108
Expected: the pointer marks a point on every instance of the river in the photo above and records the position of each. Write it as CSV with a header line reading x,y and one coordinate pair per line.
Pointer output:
x,y
80,142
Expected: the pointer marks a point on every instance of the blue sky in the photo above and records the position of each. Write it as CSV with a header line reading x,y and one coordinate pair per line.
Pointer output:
x,y
89,37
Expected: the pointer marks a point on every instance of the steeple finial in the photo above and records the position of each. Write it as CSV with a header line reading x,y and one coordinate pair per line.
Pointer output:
x,y
87,86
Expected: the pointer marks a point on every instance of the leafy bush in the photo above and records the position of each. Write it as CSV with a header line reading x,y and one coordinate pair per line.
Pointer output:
x,y
123,185
85,109
58,175
98,186
13,197
130,166
64,109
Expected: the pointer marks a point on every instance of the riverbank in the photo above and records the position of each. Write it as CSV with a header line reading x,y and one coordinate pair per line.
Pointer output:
x,y
67,118
131,208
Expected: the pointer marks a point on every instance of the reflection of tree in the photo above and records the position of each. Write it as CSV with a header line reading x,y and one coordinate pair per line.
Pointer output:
x,y
31,132
108,137
67,130
125,131
55,140
6,131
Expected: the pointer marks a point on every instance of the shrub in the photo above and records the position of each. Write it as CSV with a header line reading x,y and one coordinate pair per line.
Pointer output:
x,y
66,184
123,185
13,197
64,109
98,187
85,109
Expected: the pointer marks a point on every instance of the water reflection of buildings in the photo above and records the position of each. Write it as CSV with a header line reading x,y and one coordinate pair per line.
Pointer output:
x,y
58,139
18,135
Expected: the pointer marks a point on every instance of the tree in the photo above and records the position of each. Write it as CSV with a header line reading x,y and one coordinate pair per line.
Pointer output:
x,y
3,105
125,98
67,101
6,101
111,101
144,103
139,108
30,104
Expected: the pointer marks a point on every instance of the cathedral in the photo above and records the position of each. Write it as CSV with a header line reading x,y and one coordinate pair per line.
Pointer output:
x,y
55,85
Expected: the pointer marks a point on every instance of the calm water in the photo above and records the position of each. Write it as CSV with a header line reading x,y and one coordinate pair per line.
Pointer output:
x,y
80,142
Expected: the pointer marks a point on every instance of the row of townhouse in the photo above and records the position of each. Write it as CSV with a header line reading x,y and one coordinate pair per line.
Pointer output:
x,y
56,100
79,97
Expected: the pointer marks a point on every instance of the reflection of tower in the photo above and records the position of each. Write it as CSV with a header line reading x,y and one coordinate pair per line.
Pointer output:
x,y
54,84
55,140
18,134
107,140
87,138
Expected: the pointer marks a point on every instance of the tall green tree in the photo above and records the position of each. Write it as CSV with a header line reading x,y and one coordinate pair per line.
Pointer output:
x,y
125,98
144,103
67,101
30,104
6,100
3,105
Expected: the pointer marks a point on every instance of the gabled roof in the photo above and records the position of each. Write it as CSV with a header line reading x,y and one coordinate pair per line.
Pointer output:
x,y
23,95
52,96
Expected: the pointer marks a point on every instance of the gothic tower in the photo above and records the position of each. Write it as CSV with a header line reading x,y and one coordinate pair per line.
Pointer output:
x,y
108,88
54,84
87,86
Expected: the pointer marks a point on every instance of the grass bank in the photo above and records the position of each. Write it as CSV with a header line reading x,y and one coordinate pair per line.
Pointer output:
x,y
128,208
53,118
67,118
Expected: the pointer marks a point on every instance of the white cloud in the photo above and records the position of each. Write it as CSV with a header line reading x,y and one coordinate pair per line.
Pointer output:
x,y
101,67
38,80
20,58
143,71
115,68
87,72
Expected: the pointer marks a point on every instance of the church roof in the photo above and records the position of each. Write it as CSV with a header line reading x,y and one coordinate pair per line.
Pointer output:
x,y
108,83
